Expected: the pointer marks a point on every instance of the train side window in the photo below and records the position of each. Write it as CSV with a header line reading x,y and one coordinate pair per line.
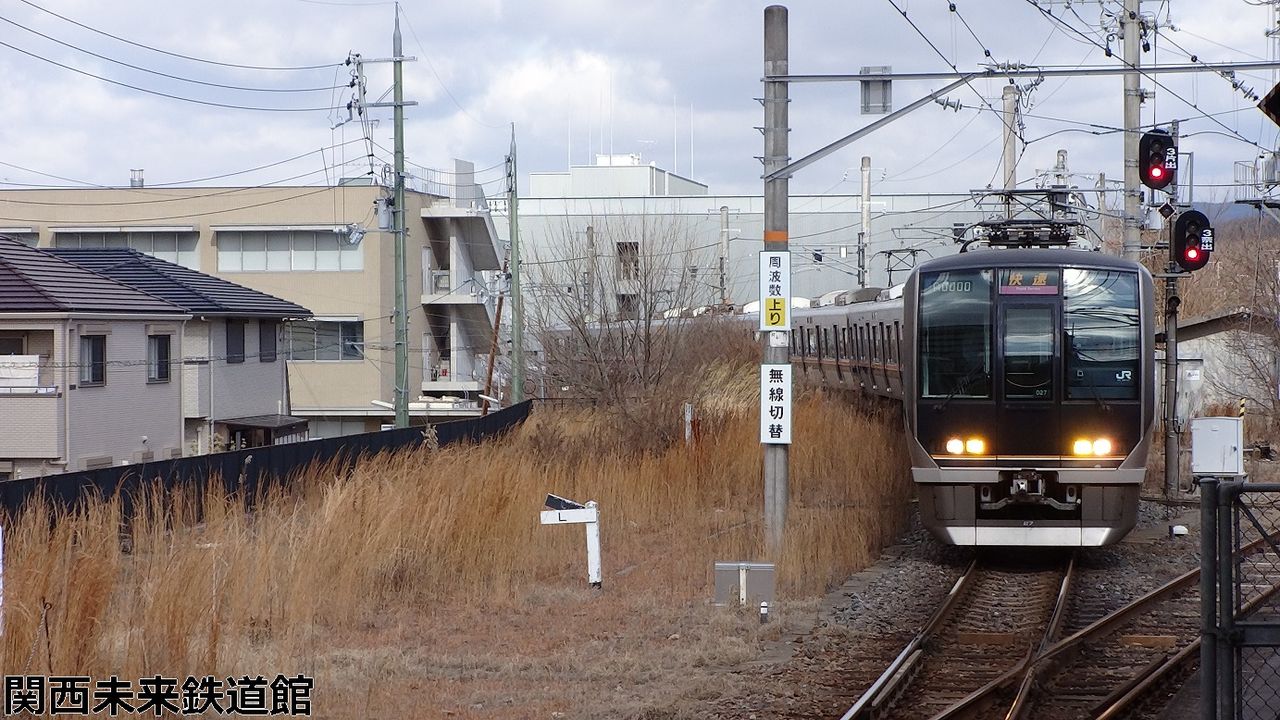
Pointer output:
x,y
793,340
897,342
876,350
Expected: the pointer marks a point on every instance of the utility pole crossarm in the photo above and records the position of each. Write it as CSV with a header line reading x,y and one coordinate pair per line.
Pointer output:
x,y
789,170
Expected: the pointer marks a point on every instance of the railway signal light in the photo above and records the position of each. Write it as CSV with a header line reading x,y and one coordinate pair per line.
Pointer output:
x,y
1157,159
1192,241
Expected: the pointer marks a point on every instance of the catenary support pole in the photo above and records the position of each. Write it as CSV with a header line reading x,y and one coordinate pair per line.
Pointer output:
x,y
401,384
1130,26
1010,96
865,236
776,457
724,256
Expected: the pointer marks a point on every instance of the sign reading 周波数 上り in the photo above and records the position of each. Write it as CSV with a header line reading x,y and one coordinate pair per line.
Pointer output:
x,y
775,290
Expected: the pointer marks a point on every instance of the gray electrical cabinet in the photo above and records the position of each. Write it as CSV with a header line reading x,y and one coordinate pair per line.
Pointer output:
x,y
1217,446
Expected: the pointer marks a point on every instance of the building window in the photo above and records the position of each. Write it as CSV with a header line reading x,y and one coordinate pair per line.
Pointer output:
x,y
266,341
175,247
93,359
13,346
326,340
628,305
158,358
288,251
628,260
235,341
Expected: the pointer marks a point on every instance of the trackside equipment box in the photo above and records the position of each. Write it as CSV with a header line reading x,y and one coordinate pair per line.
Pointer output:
x,y
1217,446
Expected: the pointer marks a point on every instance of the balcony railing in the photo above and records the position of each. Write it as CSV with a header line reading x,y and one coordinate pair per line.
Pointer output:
x,y
36,390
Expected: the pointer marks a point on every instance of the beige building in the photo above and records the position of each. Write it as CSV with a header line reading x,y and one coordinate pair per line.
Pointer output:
x,y
319,247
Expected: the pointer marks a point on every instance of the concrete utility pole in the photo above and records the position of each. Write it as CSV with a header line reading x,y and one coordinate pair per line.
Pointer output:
x,y
724,256
517,301
1129,25
865,236
402,310
1011,95
776,128
593,265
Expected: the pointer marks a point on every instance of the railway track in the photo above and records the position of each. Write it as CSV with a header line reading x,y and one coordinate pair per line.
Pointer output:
x,y
1066,657
992,621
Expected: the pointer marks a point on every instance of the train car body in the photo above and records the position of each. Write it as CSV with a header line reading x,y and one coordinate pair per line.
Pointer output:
x,y
1027,383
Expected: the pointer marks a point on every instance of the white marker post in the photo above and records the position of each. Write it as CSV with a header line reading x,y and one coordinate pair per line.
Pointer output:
x,y
564,511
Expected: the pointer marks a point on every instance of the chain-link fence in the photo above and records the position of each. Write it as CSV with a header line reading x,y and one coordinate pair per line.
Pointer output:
x,y
1240,658
1255,605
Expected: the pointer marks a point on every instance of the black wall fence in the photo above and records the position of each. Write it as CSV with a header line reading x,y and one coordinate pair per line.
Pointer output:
x,y
248,471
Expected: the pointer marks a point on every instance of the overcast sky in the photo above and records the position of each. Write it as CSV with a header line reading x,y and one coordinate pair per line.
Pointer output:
x,y
672,81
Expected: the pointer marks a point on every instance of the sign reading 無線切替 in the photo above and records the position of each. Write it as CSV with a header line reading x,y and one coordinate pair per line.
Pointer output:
x,y
775,290
775,404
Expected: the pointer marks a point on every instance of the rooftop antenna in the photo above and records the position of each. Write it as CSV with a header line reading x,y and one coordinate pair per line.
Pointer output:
x,y
675,137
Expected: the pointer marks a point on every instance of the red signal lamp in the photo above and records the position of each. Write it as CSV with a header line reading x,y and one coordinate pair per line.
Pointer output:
x,y
1156,172
1193,254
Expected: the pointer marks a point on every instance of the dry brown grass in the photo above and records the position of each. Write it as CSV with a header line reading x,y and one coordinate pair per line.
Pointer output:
x,y
414,570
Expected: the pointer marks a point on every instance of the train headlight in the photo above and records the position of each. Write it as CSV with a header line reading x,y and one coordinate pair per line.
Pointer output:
x,y
1085,446
975,446
955,446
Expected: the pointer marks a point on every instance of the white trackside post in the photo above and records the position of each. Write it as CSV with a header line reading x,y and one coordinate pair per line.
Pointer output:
x,y
567,511
593,546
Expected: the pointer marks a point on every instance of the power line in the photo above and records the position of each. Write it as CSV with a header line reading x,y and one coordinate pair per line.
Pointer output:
x,y
163,74
986,52
1145,74
427,57
969,83
210,103
184,197
173,54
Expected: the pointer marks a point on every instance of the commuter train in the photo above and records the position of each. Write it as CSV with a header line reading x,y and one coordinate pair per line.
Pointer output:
x,y
1028,387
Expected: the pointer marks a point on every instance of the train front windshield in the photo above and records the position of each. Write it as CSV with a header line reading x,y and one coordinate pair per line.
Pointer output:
x,y
1100,334
955,334
1101,324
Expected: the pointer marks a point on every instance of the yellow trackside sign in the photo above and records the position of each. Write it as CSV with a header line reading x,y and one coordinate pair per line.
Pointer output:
x,y
775,290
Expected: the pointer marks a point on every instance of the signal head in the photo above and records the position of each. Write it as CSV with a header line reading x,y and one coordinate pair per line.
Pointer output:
x,y
1192,241
1157,159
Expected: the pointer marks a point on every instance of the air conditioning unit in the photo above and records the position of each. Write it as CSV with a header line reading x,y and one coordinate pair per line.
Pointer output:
x,y
440,281
1270,175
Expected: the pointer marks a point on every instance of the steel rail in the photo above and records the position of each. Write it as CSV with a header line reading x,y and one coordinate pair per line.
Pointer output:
x,y
892,679
1029,669
1023,668
1152,676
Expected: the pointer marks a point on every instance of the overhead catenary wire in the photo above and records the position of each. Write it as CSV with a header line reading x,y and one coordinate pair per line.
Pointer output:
x,y
1054,18
174,54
